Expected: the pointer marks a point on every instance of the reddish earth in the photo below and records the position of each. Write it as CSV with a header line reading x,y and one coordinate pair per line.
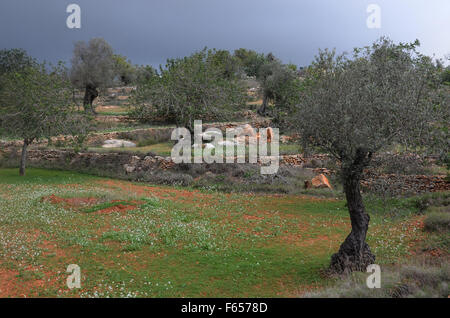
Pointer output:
x,y
83,202
71,202
253,217
10,287
118,208
159,192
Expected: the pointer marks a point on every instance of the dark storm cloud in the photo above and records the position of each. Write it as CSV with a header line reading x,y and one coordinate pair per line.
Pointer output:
x,y
150,31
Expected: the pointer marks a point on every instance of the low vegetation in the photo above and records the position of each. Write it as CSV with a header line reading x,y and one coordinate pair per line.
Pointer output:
x,y
131,238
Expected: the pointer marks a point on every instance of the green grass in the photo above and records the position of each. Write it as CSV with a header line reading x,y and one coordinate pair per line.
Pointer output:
x,y
289,149
42,176
177,242
106,205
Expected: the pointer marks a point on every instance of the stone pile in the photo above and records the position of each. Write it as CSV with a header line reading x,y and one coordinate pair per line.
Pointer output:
x,y
409,183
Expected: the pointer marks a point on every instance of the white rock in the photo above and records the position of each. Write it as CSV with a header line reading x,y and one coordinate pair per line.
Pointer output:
x,y
226,143
129,168
118,143
209,135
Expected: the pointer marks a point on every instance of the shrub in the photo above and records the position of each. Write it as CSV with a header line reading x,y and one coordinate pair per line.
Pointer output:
x,y
437,222
403,282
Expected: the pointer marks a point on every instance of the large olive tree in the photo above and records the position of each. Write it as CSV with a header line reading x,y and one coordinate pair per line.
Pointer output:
x,y
35,103
93,67
197,87
353,107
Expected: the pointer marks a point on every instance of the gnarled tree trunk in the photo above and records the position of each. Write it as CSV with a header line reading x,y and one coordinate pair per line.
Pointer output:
x,y
23,158
90,95
354,254
263,109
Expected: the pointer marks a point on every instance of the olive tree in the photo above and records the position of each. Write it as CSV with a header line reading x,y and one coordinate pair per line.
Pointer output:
x,y
279,84
35,104
93,67
353,107
249,60
14,60
126,72
187,89
144,73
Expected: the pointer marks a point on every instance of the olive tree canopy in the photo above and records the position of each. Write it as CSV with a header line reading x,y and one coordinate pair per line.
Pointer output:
x,y
351,108
126,72
280,84
250,61
197,87
14,60
93,67
35,103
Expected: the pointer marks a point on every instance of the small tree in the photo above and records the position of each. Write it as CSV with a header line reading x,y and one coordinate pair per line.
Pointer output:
x,y
34,104
355,107
144,73
14,60
250,61
93,67
126,72
279,84
189,89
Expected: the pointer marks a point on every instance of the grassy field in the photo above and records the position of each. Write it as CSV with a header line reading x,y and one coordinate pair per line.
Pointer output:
x,y
136,240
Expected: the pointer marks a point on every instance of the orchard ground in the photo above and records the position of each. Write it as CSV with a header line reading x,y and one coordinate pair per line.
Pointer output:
x,y
140,240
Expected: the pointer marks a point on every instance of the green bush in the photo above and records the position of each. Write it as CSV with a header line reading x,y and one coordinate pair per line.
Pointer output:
x,y
403,282
437,222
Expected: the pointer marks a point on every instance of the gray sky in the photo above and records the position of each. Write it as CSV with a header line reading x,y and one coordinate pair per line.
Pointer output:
x,y
150,31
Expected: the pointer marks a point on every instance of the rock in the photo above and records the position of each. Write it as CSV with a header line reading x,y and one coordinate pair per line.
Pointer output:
x,y
248,130
319,182
129,168
226,143
269,134
118,143
211,134
134,160
242,131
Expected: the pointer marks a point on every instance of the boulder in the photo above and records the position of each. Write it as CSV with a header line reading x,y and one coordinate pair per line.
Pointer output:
x,y
318,182
118,143
134,160
129,168
270,134
247,130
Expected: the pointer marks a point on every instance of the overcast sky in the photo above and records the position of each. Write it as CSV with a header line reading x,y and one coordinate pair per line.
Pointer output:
x,y
150,31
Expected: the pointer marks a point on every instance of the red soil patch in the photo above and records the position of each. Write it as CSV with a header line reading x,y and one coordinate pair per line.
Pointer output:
x,y
155,191
11,287
116,208
77,203
253,217
70,202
